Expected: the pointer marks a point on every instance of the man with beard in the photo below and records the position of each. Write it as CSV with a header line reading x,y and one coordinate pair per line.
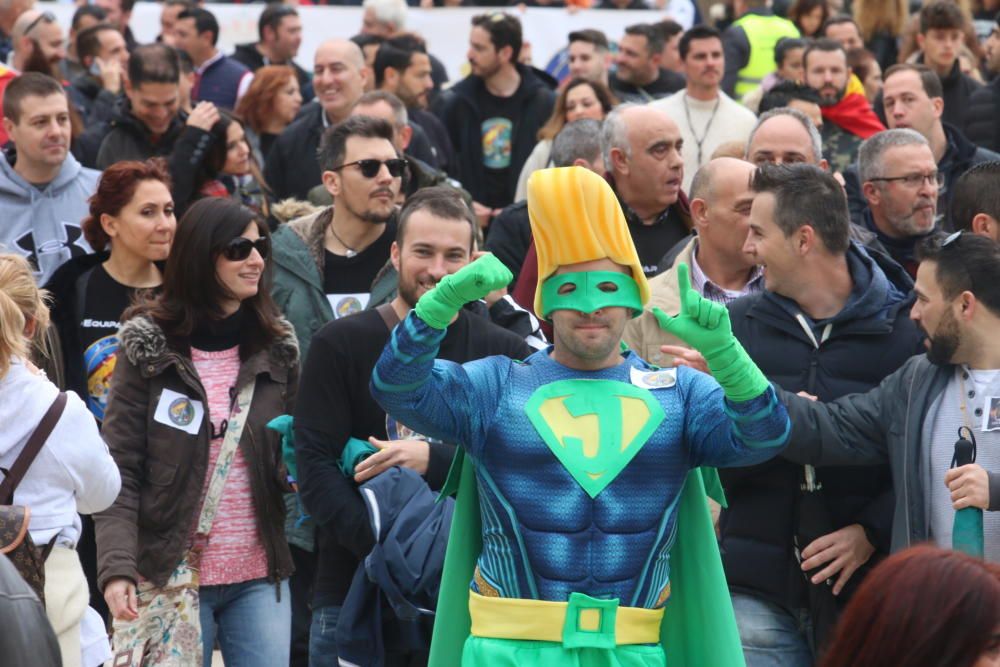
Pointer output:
x,y
914,99
900,181
494,114
38,47
911,420
434,238
403,68
847,117
706,116
638,76
325,262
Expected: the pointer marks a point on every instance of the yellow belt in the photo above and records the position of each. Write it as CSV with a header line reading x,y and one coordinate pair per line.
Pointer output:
x,y
581,622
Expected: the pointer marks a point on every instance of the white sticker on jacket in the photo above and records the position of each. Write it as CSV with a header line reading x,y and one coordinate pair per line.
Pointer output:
x,y
180,412
658,379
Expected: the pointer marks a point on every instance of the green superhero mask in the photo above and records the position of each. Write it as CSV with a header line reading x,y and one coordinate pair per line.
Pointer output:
x,y
587,294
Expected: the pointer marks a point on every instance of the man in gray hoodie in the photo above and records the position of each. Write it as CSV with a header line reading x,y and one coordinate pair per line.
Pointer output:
x,y
43,189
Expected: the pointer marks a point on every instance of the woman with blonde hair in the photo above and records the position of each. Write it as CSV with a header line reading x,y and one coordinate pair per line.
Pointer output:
x,y
580,98
72,472
881,22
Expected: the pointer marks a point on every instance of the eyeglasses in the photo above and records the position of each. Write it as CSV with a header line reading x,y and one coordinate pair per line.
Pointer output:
x,y
370,168
48,17
915,180
240,248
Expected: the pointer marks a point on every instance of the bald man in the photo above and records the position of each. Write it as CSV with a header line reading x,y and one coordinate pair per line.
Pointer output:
x,y
720,270
785,136
38,42
641,147
339,77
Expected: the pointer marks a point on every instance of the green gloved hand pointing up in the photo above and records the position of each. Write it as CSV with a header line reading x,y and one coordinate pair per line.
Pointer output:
x,y
705,326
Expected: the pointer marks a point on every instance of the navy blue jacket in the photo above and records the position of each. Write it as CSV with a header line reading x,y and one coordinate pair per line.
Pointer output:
x,y
402,572
869,339
220,83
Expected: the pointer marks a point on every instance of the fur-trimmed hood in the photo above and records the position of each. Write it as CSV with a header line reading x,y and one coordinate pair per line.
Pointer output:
x,y
145,343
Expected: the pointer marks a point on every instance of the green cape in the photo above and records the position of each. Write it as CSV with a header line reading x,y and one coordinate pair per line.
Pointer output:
x,y
699,627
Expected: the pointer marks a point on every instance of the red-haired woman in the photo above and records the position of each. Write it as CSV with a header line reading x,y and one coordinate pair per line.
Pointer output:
x,y
923,606
131,226
269,106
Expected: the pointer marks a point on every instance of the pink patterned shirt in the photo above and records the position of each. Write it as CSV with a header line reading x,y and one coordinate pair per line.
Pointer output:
x,y
234,551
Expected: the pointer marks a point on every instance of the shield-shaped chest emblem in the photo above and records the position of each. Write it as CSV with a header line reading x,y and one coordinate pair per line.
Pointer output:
x,y
594,427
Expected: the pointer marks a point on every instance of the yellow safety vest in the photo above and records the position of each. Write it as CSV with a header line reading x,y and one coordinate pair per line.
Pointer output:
x,y
763,32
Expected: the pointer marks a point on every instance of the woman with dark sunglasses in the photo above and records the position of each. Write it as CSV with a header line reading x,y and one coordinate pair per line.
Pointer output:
x,y
208,356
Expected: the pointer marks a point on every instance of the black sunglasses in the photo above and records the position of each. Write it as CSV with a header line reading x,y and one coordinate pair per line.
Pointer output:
x,y
240,248
370,168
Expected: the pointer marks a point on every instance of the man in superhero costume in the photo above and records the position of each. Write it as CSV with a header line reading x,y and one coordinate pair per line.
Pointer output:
x,y
591,526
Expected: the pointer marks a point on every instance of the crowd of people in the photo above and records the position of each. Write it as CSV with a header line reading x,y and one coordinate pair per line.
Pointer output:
x,y
727,294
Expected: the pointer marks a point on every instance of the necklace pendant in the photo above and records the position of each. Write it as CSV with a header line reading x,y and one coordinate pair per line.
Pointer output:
x,y
351,253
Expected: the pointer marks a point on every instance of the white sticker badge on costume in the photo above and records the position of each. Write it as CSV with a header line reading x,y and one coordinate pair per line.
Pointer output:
x,y
180,412
658,379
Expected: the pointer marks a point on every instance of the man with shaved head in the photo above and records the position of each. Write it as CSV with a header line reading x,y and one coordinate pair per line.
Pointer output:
x,y
642,153
720,270
785,136
339,76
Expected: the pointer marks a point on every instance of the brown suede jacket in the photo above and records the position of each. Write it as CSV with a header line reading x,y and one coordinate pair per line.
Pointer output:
x,y
163,468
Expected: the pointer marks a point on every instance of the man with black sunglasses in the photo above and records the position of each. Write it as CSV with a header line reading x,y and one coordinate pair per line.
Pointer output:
x,y
325,262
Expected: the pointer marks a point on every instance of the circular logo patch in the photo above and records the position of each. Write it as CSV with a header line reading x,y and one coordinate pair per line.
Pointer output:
x,y
659,379
181,411
348,306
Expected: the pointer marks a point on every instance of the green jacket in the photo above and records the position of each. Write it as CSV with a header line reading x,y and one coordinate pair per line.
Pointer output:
x,y
699,627
298,275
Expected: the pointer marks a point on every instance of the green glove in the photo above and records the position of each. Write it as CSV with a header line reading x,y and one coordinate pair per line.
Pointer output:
x,y
705,326
472,282
283,425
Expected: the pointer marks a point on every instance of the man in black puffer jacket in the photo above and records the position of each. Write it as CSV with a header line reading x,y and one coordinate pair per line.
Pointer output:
x,y
833,320
147,123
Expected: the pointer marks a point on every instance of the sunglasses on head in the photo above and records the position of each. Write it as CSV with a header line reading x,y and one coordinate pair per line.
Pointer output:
x,y
48,17
240,248
370,168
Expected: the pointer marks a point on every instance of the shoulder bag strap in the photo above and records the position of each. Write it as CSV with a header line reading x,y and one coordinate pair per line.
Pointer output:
x,y
30,451
230,443
389,315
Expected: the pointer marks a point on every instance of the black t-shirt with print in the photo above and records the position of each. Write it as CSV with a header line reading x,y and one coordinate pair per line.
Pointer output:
x,y
335,404
347,281
104,301
498,119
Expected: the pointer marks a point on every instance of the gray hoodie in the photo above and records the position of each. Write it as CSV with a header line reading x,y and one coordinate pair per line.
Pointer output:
x,y
43,225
